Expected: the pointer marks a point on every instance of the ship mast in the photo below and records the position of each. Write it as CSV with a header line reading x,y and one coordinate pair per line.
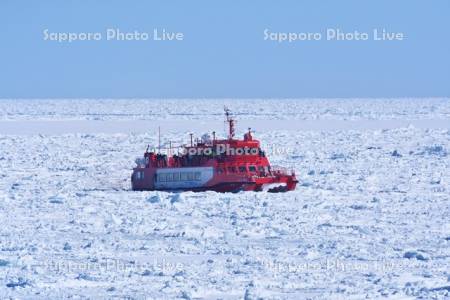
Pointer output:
x,y
230,120
159,139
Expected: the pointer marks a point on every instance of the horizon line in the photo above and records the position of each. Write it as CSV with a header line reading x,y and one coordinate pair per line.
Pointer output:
x,y
225,98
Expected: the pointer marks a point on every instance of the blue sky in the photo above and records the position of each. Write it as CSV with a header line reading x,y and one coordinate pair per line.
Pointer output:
x,y
223,53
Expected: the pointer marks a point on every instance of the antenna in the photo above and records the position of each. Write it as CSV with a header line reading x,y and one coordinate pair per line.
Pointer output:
x,y
191,135
159,139
231,122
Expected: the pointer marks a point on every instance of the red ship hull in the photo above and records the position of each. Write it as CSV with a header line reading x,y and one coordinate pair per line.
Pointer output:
x,y
146,179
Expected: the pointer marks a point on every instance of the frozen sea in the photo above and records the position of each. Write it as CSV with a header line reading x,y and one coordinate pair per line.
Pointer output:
x,y
370,218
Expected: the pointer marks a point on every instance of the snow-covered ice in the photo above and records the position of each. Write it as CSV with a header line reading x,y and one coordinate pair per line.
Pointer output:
x,y
212,109
370,218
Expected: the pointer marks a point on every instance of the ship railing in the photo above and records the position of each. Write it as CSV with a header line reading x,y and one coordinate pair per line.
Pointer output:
x,y
141,162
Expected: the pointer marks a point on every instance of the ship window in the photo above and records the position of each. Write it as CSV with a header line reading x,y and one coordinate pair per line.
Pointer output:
x,y
197,175
219,170
261,168
139,175
242,169
176,176
232,169
252,169
190,176
183,176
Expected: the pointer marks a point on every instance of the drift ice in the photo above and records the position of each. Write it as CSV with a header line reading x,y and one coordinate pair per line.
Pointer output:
x,y
221,165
